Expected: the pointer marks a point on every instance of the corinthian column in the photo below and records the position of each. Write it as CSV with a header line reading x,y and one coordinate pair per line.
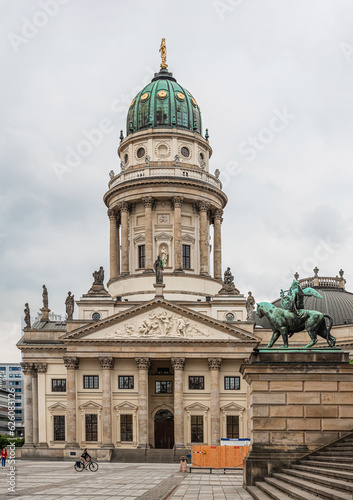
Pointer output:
x,y
177,202
27,369
107,364
204,237
214,365
41,369
143,365
178,364
217,244
148,202
71,364
124,211
35,405
114,245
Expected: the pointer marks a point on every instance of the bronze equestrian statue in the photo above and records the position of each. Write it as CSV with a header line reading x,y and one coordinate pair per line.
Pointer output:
x,y
294,318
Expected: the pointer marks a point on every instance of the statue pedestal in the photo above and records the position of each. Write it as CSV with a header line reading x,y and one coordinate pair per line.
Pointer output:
x,y
45,313
159,289
300,399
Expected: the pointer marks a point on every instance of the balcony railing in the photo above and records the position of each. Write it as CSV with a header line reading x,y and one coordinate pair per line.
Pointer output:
x,y
322,282
175,171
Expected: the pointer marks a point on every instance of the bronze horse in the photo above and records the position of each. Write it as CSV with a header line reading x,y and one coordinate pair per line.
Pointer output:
x,y
286,323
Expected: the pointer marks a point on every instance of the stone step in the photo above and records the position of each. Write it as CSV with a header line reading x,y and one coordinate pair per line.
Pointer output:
x,y
339,448
326,472
330,465
258,494
325,458
265,491
292,491
338,484
311,487
336,453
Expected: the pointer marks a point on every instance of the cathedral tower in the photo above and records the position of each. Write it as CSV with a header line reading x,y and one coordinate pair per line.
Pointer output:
x,y
164,200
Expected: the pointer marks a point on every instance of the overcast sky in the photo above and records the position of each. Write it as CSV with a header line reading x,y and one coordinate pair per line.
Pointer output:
x,y
274,81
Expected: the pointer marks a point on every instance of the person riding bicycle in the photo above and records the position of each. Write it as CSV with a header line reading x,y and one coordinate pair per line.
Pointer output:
x,y
85,457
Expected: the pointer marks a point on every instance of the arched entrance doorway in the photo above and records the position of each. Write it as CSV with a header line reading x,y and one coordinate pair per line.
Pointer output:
x,y
164,429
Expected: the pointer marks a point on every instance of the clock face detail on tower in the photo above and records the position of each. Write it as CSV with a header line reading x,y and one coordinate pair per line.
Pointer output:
x,y
162,94
180,96
144,96
185,151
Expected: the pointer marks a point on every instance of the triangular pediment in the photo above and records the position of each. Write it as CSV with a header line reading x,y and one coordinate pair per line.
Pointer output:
x,y
124,406
57,407
91,405
196,407
164,321
232,407
163,236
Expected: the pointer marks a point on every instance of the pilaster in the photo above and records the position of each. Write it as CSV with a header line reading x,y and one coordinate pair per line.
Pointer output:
x,y
214,365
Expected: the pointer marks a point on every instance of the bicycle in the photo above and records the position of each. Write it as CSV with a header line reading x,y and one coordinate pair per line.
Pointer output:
x,y
79,466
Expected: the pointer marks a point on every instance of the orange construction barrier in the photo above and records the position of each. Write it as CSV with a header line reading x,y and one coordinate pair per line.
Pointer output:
x,y
218,456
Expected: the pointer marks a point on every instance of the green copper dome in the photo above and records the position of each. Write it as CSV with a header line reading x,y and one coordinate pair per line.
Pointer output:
x,y
163,103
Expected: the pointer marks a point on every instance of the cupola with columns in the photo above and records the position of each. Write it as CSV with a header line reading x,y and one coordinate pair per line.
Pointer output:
x,y
164,201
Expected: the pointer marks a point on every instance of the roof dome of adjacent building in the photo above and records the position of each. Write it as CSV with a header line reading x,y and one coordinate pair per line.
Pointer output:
x,y
163,103
336,301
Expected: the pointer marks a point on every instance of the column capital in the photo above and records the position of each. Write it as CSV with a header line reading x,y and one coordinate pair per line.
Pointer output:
x,y
71,363
27,368
124,206
217,214
41,367
203,206
143,363
214,363
148,201
177,201
112,214
178,363
107,362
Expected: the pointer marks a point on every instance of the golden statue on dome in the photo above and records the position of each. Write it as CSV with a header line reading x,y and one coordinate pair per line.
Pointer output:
x,y
163,51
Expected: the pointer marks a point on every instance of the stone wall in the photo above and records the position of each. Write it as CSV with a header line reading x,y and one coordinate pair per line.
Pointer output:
x,y
299,400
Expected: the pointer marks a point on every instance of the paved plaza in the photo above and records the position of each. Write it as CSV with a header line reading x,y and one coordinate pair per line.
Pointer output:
x,y
59,481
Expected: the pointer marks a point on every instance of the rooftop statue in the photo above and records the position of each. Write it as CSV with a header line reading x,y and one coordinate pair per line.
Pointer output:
x,y
228,287
293,318
158,267
45,297
27,316
70,305
163,51
98,276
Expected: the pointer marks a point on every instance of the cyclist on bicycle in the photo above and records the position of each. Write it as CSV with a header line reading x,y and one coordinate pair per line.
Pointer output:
x,y
85,457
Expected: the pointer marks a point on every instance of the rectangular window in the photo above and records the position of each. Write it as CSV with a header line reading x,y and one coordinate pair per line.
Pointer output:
x,y
196,383
232,427
232,383
126,427
15,368
164,387
18,411
186,256
141,256
59,428
18,390
91,427
196,428
90,382
126,381
58,384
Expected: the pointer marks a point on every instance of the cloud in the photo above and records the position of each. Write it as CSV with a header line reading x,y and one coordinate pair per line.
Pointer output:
x,y
261,56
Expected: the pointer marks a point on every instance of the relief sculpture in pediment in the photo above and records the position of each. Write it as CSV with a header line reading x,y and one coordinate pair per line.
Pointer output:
x,y
160,324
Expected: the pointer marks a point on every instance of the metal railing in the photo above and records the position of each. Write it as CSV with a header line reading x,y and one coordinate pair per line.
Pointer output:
x,y
175,171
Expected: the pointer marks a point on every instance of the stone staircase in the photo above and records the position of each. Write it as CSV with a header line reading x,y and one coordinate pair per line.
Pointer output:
x,y
326,473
